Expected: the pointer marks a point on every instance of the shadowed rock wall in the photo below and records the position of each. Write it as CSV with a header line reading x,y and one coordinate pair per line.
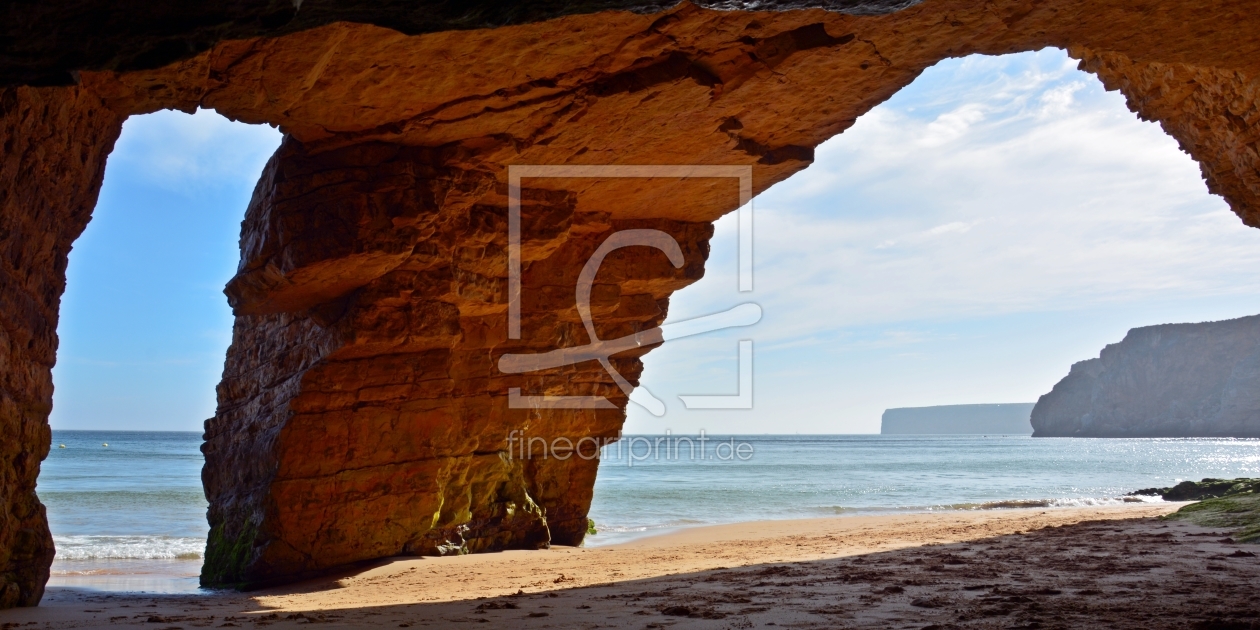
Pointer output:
x,y
55,142
361,411
126,35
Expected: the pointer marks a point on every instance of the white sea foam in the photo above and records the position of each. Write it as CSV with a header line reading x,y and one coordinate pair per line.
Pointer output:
x,y
128,548
1049,503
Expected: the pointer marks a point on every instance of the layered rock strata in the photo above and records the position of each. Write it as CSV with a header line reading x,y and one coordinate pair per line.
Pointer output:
x,y
361,411
1173,380
125,35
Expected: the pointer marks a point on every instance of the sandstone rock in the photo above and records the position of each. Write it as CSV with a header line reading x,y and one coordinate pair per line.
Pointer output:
x,y
1174,380
55,142
127,36
361,411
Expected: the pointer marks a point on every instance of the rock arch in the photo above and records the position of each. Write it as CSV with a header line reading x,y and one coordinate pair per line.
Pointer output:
x,y
360,414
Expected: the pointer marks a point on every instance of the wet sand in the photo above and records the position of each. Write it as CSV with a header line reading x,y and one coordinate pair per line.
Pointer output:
x,y
163,576
1116,567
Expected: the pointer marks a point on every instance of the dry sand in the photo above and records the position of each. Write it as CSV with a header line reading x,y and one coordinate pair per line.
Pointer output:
x,y
1112,567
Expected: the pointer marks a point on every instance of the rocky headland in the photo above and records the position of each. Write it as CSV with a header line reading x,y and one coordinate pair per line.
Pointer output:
x,y
1172,380
1000,419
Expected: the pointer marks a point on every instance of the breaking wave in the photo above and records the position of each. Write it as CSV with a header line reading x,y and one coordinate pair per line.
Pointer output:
x,y
1047,503
128,548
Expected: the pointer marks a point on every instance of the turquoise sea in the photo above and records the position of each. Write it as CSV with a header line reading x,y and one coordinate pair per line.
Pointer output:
x,y
131,515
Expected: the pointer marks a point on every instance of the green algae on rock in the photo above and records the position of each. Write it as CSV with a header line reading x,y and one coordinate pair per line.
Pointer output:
x,y
1229,503
1208,488
1239,512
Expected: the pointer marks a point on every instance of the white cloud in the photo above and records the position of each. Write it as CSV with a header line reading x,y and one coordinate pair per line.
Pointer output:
x,y
1017,212
956,226
951,125
992,187
1059,100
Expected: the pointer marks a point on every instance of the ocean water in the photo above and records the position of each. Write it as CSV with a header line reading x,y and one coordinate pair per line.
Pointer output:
x,y
810,476
127,516
131,515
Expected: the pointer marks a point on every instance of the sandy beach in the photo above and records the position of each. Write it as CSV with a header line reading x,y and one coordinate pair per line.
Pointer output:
x,y
1118,567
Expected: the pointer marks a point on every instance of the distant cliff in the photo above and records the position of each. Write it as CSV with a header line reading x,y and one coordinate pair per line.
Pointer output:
x,y
1173,380
1006,419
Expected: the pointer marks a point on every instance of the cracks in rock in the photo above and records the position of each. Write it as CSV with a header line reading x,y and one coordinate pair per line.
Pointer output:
x,y
343,471
569,95
644,74
776,49
576,80
766,155
886,62
850,7
768,52
317,70
130,36
597,80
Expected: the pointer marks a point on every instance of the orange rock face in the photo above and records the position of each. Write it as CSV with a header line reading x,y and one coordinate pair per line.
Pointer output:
x,y
55,141
362,413
374,421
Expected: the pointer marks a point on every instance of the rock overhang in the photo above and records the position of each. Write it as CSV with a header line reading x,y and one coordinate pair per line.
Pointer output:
x,y
128,36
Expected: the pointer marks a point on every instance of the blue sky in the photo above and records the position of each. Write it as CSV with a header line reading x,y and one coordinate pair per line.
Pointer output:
x,y
144,323
965,242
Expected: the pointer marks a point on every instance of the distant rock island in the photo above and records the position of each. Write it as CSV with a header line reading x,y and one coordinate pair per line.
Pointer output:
x,y
1172,380
1001,419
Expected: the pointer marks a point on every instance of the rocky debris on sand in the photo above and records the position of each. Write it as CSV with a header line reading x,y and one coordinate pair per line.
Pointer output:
x,y
1206,489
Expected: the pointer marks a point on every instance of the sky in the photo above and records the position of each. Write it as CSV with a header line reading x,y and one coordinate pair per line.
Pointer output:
x,y
144,323
965,242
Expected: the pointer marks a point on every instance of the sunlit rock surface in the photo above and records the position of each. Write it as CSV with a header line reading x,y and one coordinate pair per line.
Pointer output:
x,y
361,411
1173,380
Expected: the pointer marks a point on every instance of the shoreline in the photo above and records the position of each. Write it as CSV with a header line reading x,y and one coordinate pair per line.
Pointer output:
x,y
866,568
128,575
956,508
180,576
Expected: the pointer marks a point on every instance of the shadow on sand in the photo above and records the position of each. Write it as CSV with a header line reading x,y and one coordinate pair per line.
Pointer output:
x,y
1133,573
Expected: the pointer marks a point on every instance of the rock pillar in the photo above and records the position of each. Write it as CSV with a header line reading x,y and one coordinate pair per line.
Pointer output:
x,y
362,413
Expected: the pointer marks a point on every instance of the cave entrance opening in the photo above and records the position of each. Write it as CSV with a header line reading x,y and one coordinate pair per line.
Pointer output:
x,y
965,225
143,330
